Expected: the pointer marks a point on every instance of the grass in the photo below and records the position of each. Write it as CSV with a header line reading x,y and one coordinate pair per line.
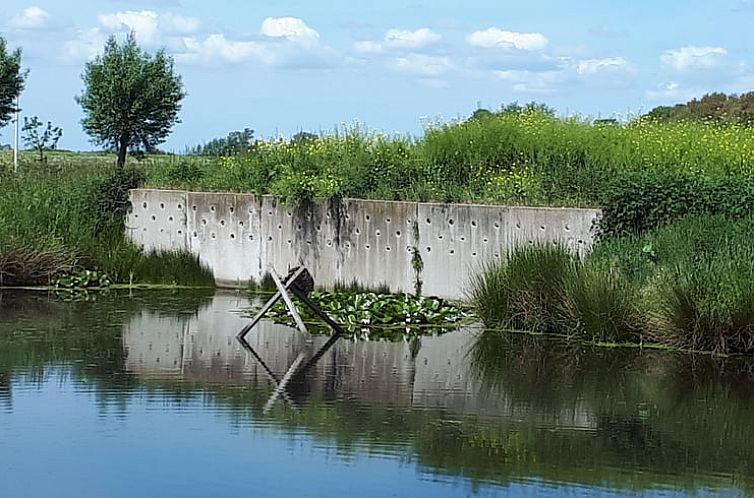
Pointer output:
x,y
689,285
59,217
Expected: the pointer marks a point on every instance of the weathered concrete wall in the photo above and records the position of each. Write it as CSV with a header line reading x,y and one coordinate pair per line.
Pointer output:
x,y
404,245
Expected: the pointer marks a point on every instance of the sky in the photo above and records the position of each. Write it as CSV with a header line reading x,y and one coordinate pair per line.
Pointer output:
x,y
391,66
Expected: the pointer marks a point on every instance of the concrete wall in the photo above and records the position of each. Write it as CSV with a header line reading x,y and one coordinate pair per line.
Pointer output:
x,y
401,244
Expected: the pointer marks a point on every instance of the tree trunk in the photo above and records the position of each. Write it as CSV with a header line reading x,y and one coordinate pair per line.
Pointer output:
x,y
122,150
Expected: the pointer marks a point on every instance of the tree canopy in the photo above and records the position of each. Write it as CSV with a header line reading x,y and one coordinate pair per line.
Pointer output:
x,y
131,99
11,81
717,108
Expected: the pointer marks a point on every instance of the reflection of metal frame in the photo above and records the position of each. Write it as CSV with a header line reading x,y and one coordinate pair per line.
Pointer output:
x,y
290,284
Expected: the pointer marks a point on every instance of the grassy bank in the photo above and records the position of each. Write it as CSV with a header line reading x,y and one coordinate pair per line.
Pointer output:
x,y
57,219
688,285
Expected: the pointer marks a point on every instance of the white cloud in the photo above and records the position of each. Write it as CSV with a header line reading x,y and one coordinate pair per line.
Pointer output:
x,y
673,92
406,39
289,28
180,25
532,81
498,38
216,48
85,45
594,66
398,39
30,18
143,23
692,57
423,65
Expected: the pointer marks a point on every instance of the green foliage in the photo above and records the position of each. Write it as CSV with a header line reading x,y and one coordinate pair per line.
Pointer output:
x,y
634,203
83,280
235,143
11,81
131,99
46,141
712,108
372,316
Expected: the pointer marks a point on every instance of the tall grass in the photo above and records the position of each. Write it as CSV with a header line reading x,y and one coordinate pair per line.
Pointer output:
x,y
688,285
66,217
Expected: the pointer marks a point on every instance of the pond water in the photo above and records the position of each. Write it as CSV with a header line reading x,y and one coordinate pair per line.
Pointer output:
x,y
150,394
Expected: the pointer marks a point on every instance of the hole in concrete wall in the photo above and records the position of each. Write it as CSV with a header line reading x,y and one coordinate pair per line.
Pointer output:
x,y
231,209
319,228
232,236
378,233
212,208
367,247
269,213
568,228
162,230
251,237
463,239
473,255
289,214
290,242
496,225
440,237
251,210
348,245
388,220
531,242
398,234
280,227
409,249
269,239
204,221
542,227
473,223
348,217
555,242
451,222
154,218
497,254
329,243
195,234
429,249
144,205
308,242
214,236
136,216
518,226
180,206
143,229
452,252
222,223
367,217
240,223
180,232
408,221
358,232
581,242
485,240
388,249
170,219
429,222
299,228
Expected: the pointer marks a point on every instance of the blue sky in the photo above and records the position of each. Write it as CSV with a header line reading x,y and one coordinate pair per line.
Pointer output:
x,y
281,67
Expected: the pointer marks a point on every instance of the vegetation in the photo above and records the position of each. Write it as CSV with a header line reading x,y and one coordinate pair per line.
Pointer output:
x,y
236,142
11,81
56,220
46,141
688,285
715,108
370,316
131,99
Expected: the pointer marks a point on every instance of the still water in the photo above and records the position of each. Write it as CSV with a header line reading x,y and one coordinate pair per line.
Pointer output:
x,y
149,394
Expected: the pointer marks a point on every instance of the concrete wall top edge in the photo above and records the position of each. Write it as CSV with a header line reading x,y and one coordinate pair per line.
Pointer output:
x,y
350,199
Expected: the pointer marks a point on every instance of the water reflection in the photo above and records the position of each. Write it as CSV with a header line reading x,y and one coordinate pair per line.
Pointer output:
x,y
459,413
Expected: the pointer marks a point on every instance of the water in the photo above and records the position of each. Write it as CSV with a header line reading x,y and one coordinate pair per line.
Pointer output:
x,y
150,395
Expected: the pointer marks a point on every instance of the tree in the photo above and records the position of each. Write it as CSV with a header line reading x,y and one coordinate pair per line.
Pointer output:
x,y
712,108
47,140
235,143
11,81
131,99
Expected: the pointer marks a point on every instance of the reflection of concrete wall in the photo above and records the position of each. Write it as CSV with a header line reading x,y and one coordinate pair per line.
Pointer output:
x,y
203,349
239,236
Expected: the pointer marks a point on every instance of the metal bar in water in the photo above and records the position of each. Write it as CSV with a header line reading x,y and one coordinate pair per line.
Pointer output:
x,y
268,306
288,302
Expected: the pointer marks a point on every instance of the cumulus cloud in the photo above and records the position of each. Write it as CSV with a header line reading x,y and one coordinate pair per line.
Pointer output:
x,y
498,38
673,91
398,39
150,27
595,66
423,65
85,45
30,18
289,28
692,57
283,42
532,81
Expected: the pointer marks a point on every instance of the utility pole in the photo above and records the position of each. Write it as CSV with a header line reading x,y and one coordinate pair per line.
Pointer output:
x,y
15,139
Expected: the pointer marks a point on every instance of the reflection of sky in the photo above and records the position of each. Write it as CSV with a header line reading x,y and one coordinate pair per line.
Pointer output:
x,y
57,443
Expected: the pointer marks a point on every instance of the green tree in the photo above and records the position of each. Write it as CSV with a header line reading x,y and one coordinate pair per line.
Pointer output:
x,y
131,99
11,81
41,142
